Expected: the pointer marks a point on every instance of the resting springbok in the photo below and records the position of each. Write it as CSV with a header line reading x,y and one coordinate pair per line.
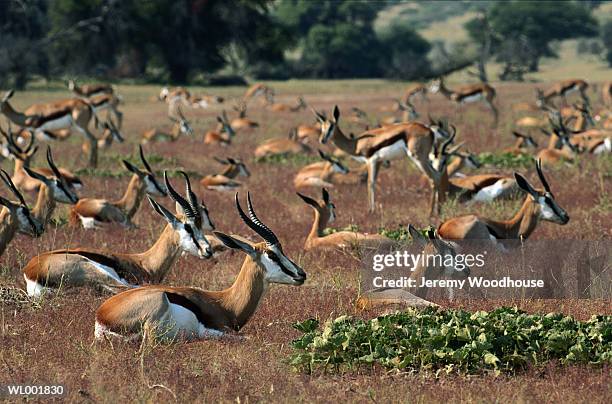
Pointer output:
x,y
74,113
93,212
411,139
280,107
552,155
223,134
467,94
320,174
242,123
114,271
325,213
538,205
90,90
522,144
225,181
188,313
563,88
52,188
282,146
22,156
16,217
180,127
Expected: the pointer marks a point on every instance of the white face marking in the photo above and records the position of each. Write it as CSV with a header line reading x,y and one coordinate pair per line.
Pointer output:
x,y
546,212
188,245
150,187
274,274
58,193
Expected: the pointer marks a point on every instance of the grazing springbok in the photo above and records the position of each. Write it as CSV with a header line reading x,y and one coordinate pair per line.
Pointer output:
x,y
110,134
538,205
23,156
410,139
282,146
16,217
225,181
563,88
325,213
53,188
93,212
242,123
223,134
521,145
116,272
180,127
320,174
189,313
74,113
467,94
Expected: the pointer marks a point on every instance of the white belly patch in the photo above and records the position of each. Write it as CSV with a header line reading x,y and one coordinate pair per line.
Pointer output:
x,y
183,323
60,123
490,193
106,271
472,98
392,152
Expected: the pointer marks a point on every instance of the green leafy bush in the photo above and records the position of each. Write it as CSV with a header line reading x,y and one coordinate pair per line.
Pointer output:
x,y
506,160
452,341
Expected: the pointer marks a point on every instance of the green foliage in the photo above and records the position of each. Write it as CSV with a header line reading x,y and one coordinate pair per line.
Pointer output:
x,y
506,160
331,230
296,160
405,53
606,37
452,341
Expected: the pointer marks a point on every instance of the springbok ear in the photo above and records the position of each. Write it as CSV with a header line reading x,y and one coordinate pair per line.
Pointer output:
x,y
131,167
308,200
525,185
234,243
417,236
8,95
325,195
36,175
336,113
165,213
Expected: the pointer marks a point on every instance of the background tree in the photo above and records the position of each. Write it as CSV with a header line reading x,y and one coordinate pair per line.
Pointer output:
x,y
606,37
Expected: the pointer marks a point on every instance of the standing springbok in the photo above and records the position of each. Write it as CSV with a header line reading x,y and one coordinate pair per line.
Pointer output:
x,y
90,90
467,94
325,213
115,272
411,139
563,88
538,205
93,212
22,156
191,313
74,113
225,181
320,174
108,102
16,216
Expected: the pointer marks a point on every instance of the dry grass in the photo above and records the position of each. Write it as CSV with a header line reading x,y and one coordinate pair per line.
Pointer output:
x,y
53,343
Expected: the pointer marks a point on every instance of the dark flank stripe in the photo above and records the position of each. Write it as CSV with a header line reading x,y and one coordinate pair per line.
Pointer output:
x,y
466,95
183,301
387,142
102,259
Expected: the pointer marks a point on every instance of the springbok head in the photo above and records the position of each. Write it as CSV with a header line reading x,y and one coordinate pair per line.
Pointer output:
x,y
236,164
194,210
547,208
188,226
268,256
441,129
324,207
328,126
336,164
526,140
147,176
27,223
13,149
436,84
62,191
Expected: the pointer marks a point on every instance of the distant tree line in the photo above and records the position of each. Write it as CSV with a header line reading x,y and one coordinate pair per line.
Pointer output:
x,y
183,41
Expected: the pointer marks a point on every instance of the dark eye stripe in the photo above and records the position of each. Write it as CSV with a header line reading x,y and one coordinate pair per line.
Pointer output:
x,y
277,261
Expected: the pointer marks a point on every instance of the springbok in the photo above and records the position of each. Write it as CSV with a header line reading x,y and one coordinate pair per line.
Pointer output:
x,y
280,107
467,94
16,217
552,155
111,133
180,127
115,272
93,212
222,136
22,156
90,90
563,88
108,102
411,139
521,145
242,123
320,174
415,90
225,181
192,313
282,146
325,213
256,90
409,113
538,205
53,188
74,113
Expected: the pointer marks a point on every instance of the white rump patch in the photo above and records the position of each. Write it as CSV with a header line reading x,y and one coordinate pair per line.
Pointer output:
x,y
88,222
34,288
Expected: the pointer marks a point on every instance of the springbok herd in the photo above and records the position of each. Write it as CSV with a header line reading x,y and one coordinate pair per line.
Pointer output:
x,y
136,280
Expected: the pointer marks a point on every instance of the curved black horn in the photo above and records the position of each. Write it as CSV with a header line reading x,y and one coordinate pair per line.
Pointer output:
x,y
9,183
254,223
144,160
191,196
179,199
541,175
58,175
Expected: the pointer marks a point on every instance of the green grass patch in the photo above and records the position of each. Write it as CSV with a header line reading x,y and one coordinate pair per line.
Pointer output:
x,y
452,341
506,160
332,230
296,160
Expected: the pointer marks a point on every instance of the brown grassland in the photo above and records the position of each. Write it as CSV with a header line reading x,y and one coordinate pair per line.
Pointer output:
x,y
53,342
